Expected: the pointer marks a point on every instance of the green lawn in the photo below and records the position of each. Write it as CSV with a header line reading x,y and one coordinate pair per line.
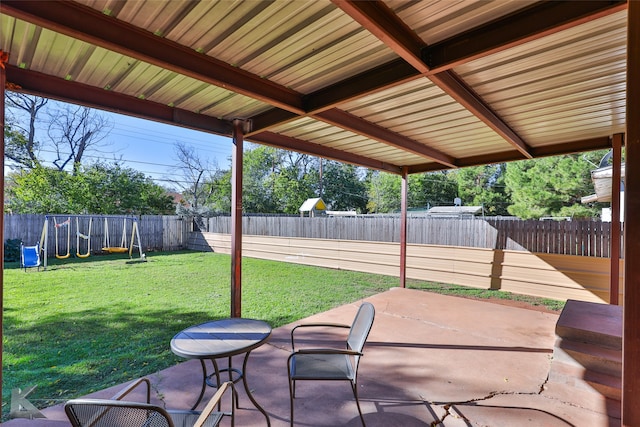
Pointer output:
x,y
84,325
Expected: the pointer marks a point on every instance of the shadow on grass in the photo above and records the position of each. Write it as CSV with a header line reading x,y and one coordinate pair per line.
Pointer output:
x,y
55,263
67,356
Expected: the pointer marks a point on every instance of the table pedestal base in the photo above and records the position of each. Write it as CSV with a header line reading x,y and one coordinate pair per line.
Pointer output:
x,y
213,380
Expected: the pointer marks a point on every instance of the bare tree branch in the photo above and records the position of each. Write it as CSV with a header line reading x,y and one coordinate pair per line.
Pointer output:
x,y
22,146
74,130
195,172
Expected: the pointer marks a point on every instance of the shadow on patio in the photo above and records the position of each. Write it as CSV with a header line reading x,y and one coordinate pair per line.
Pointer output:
x,y
430,360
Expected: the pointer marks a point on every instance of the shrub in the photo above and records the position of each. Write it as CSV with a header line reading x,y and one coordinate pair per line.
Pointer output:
x,y
12,250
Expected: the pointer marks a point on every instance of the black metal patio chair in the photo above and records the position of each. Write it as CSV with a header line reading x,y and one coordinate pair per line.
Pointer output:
x,y
116,412
331,364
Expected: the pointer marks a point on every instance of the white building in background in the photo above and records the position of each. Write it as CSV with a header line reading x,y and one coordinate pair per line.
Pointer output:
x,y
602,179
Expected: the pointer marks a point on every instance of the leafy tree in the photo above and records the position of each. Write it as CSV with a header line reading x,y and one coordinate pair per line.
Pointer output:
x,y
484,186
258,193
219,190
291,187
384,192
343,187
18,150
113,189
97,189
431,189
424,190
552,186
40,191
294,179
279,181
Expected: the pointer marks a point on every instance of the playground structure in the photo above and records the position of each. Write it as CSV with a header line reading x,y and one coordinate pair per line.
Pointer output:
x,y
61,228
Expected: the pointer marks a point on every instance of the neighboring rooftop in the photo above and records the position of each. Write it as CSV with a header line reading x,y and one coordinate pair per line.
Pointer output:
x,y
454,211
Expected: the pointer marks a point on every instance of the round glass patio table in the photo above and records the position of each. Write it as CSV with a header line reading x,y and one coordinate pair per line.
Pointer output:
x,y
219,339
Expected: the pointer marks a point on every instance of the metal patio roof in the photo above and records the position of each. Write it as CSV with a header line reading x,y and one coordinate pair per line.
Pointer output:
x,y
425,85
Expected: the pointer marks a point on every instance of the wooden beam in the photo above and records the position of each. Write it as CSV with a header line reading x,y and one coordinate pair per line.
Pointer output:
x,y
376,17
558,149
614,271
531,23
379,78
289,143
631,316
4,59
362,127
379,20
451,84
403,226
89,25
48,86
269,119
374,80
236,220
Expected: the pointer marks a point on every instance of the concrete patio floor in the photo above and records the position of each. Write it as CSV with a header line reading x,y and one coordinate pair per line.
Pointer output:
x,y
430,360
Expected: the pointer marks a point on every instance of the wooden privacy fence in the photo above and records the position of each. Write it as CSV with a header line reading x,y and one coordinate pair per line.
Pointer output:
x,y
157,232
554,276
586,238
170,232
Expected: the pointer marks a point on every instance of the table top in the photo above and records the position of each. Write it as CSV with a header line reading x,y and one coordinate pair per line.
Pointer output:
x,y
220,338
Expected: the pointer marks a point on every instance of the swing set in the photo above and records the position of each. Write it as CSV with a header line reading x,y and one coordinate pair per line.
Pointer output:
x,y
62,236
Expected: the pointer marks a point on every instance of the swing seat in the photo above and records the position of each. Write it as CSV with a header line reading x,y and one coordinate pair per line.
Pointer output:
x,y
29,257
116,250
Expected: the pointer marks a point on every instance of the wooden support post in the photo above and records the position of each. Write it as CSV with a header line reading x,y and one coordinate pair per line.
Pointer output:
x,y
403,228
614,277
631,317
4,58
236,220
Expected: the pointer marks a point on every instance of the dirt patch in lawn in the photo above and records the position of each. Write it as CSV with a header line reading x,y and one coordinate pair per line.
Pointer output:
x,y
519,304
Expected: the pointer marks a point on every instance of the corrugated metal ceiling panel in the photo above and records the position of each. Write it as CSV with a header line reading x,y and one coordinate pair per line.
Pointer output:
x,y
314,45
19,38
334,137
42,50
435,21
422,111
308,45
561,86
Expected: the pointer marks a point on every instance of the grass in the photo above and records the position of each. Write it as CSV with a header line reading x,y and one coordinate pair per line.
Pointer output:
x,y
85,325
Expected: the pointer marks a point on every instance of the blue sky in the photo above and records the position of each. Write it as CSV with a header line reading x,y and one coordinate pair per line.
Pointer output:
x,y
146,146
149,147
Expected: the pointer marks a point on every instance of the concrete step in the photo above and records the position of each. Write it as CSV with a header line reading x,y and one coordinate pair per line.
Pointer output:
x,y
585,380
592,323
586,369
583,398
589,357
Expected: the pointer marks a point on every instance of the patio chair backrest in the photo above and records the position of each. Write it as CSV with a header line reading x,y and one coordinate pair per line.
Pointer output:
x,y
361,327
115,413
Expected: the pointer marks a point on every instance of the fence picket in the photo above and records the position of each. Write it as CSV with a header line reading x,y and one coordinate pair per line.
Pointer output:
x,y
589,238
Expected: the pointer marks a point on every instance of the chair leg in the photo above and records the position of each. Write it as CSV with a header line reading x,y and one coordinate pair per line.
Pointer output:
x,y
291,396
354,387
